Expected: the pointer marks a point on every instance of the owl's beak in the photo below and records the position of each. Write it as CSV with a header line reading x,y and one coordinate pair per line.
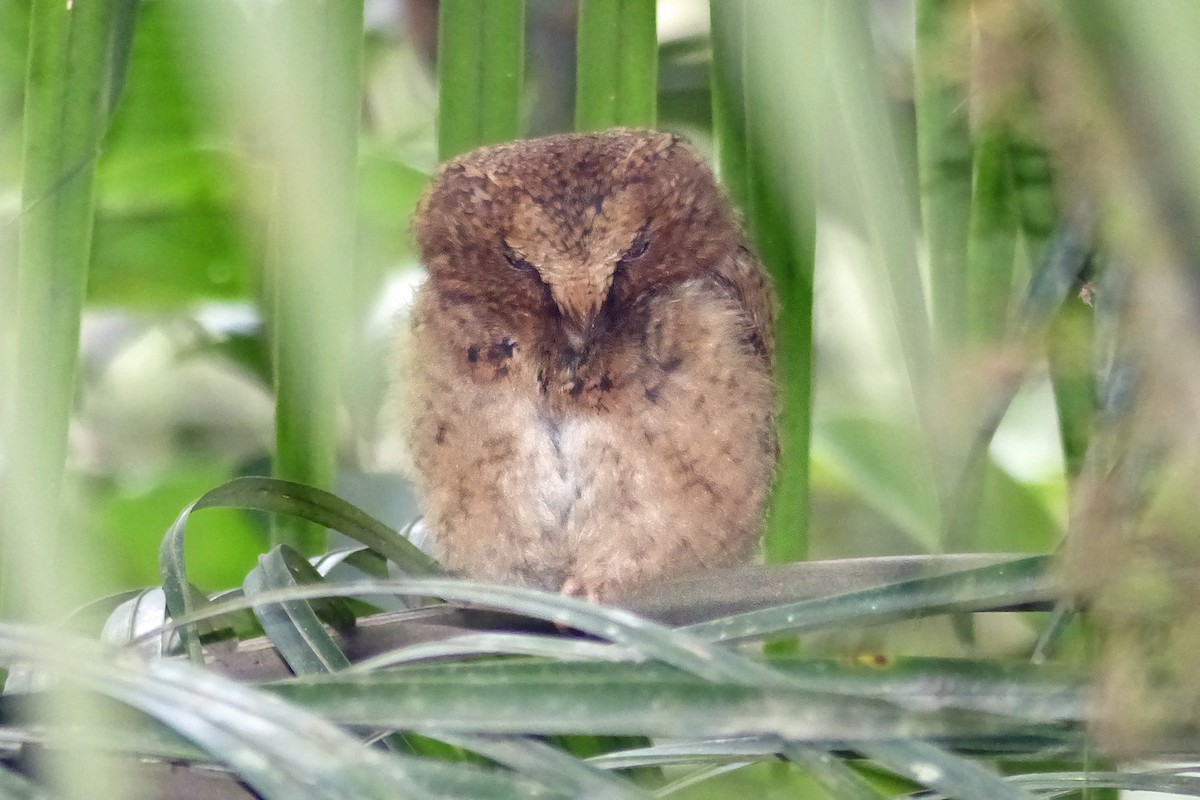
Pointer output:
x,y
580,300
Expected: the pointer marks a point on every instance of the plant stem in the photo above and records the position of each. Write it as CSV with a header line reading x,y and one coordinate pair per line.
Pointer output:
x,y
77,57
617,79
993,240
481,46
729,96
314,67
941,64
767,157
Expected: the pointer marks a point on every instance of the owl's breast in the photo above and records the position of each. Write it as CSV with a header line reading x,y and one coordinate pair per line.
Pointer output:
x,y
534,458
563,452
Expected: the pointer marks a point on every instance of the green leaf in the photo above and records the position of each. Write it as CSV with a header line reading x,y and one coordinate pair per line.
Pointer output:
x,y
388,190
941,67
77,53
1069,351
481,62
768,161
1158,781
314,135
130,520
837,778
728,22
15,786
993,239
1024,580
269,494
477,644
874,457
550,766
617,70
648,639
879,187
294,627
170,228
937,769
169,255
1013,515
820,701
279,750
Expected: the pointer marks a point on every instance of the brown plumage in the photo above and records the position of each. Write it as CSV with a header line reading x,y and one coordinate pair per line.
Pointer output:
x,y
590,391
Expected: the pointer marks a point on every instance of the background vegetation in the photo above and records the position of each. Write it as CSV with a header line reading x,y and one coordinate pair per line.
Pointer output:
x,y
981,218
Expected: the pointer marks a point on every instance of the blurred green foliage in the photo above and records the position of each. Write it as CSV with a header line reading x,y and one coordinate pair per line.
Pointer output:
x,y
984,236
179,225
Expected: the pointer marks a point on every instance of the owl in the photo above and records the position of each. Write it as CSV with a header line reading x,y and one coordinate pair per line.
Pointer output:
x,y
589,387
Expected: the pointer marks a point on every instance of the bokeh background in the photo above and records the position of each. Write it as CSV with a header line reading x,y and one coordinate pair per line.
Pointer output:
x,y
982,217
174,389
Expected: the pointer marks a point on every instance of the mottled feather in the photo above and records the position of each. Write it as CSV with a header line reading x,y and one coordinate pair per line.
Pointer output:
x,y
590,394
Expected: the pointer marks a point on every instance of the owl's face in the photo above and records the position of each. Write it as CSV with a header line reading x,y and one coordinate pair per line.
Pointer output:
x,y
559,237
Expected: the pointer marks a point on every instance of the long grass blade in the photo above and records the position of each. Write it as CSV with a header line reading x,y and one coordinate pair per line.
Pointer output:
x,y
498,644
940,700
282,751
315,44
728,22
767,160
16,786
77,57
1070,349
880,185
993,239
289,75
282,497
294,628
481,61
935,768
941,65
617,71
832,773
552,767
1022,581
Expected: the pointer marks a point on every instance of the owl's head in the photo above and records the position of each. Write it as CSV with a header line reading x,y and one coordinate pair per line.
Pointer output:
x,y
575,227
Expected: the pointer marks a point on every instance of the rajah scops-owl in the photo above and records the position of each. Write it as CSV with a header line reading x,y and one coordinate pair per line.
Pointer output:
x,y
588,382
